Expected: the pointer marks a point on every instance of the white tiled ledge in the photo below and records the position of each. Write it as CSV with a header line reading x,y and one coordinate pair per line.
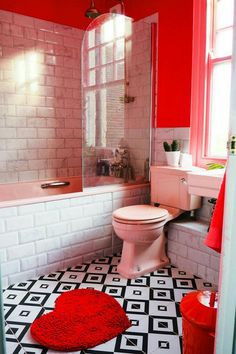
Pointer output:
x,y
187,250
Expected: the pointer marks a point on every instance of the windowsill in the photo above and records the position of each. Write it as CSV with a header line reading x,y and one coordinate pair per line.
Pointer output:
x,y
205,183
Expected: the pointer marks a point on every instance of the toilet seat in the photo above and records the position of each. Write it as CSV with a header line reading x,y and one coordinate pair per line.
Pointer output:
x,y
140,214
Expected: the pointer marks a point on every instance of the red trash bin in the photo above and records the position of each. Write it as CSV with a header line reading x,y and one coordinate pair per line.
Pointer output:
x,y
198,311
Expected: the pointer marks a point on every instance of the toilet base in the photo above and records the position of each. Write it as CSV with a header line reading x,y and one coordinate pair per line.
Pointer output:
x,y
133,274
141,259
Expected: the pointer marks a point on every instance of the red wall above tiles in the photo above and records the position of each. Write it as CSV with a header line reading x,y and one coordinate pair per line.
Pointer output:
x,y
174,43
174,57
67,12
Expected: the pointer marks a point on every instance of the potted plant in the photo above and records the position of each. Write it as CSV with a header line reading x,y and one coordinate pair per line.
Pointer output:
x,y
172,153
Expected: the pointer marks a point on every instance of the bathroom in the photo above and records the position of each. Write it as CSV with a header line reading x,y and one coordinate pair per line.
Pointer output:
x,y
45,231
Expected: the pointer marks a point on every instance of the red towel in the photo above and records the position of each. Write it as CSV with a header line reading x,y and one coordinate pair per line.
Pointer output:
x,y
214,237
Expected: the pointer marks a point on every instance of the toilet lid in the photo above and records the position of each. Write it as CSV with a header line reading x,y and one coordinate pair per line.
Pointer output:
x,y
141,213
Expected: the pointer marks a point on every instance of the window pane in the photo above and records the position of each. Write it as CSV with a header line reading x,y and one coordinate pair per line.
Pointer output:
x,y
92,58
120,71
102,118
91,38
107,31
107,53
109,73
224,41
103,75
120,49
219,109
92,77
90,113
120,26
224,13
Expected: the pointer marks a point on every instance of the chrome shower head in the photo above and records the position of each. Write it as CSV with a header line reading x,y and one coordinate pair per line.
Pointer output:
x,y
92,12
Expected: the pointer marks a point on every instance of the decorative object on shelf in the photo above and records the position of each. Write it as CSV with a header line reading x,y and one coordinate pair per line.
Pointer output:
x,y
121,166
172,153
186,160
103,167
117,166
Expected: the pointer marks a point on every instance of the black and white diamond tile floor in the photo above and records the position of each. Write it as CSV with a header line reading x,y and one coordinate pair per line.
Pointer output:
x,y
151,303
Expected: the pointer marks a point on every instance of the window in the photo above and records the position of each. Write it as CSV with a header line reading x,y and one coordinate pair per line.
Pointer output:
x,y
104,81
212,55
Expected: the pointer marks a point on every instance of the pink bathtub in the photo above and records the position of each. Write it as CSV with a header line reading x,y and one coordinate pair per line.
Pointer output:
x,y
31,192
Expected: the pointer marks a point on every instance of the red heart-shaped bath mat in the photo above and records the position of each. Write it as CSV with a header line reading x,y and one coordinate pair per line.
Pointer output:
x,y
82,318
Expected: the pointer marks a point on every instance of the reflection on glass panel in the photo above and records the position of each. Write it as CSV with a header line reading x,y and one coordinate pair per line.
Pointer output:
x,y
92,77
120,49
224,42
225,13
102,118
107,53
109,73
120,26
107,31
90,114
91,38
103,75
128,28
219,115
112,123
120,71
92,58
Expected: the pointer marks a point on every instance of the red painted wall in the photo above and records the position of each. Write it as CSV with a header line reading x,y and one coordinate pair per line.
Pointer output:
x,y
174,57
66,12
174,43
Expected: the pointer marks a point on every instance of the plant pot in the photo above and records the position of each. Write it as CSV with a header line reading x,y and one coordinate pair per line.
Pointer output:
x,y
172,158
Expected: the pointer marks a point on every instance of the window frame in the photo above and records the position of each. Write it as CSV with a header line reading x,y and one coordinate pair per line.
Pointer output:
x,y
99,85
99,65
202,69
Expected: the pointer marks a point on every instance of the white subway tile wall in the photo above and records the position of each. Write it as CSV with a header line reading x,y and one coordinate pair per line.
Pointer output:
x,y
159,135
137,113
186,248
40,99
39,238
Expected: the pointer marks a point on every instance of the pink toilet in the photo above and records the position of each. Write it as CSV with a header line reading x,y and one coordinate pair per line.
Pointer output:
x,y
141,226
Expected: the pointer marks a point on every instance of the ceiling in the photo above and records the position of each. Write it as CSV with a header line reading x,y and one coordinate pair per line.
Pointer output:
x,y
71,12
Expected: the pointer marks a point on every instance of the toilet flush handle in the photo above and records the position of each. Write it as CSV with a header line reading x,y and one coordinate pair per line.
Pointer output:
x,y
183,180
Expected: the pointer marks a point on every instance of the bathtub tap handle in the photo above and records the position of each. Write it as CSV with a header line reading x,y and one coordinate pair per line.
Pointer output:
x,y
55,184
